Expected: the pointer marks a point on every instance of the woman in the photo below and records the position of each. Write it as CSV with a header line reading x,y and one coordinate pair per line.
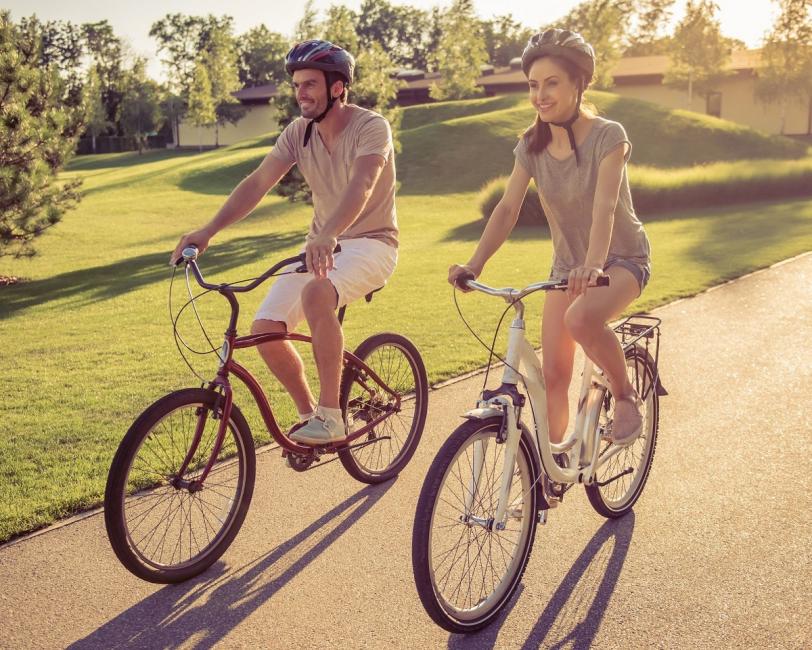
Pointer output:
x,y
578,161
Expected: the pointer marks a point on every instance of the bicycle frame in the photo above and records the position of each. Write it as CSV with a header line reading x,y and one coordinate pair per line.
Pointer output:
x,y
582,444
228,366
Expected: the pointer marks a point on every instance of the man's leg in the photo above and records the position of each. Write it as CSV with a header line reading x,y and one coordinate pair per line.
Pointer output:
x,y
286,364
319,300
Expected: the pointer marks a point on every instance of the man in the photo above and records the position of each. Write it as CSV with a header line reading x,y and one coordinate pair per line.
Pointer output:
x,y
346,155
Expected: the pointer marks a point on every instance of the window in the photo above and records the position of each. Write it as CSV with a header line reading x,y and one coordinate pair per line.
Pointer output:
x,y
714,104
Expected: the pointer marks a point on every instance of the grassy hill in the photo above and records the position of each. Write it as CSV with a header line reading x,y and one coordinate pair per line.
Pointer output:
x,y
87,339
457,146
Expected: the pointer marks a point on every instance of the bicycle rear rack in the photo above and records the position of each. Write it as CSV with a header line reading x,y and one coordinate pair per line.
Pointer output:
x,y
642,331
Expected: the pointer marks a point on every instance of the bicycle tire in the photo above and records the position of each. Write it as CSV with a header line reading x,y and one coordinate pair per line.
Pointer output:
x,y
644,374
138,487
395,359
434,507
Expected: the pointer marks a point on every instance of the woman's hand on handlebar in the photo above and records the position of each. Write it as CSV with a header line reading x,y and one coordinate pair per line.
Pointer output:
x,y
461,272
198,238
580,278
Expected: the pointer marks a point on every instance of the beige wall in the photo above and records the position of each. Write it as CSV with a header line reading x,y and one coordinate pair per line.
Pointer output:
x,y
738,104
258,120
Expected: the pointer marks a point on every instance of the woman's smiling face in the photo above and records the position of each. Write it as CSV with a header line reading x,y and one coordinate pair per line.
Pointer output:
x,y
553,92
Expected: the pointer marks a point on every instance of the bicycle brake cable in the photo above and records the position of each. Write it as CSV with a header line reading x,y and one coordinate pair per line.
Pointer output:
x,y
174,320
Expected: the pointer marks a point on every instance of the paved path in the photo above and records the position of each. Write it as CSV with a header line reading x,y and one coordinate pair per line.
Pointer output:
x,y
716,553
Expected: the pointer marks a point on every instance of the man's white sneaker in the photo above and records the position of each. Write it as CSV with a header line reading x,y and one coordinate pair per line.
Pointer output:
x,y
320,430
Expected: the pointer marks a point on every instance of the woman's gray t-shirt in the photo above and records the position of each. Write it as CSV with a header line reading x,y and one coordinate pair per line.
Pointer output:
x,y
567,193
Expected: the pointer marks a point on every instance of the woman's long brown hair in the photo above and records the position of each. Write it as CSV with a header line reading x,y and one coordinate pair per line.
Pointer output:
x,y
539,135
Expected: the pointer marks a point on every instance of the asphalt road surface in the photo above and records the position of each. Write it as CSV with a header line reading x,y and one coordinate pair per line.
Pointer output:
x,y
715,555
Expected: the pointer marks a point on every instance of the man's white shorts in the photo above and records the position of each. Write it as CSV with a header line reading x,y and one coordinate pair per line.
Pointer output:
x,y
361,266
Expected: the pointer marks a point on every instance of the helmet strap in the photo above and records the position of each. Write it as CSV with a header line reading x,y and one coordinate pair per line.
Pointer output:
x,y
330,101
568,126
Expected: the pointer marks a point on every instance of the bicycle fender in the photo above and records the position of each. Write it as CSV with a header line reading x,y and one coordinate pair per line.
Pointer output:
x,y
483,413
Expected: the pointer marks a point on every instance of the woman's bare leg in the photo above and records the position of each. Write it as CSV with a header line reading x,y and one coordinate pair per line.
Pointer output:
x,y
558,352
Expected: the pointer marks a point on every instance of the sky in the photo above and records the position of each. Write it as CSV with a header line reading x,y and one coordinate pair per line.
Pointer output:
x,y
132,20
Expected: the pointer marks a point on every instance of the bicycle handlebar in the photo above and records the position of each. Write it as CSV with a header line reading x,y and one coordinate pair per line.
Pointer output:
x,y
190,253
467,281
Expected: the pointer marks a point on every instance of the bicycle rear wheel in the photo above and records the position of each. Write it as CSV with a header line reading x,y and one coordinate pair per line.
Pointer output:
x,y
388,447
465,569
163,530
630,467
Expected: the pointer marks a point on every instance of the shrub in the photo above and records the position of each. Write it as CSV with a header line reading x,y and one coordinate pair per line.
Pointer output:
x,y
530,214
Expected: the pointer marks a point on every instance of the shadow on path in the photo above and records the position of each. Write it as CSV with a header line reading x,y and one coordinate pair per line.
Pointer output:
x,y
574,614
205,609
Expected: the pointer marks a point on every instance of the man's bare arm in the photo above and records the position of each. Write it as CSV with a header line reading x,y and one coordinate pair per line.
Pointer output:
x,y
239,204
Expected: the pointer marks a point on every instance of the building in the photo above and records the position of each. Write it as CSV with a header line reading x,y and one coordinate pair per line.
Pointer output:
x,y
642,78
259,118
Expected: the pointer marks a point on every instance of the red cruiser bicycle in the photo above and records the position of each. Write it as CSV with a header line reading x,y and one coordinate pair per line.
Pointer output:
x,y
181,481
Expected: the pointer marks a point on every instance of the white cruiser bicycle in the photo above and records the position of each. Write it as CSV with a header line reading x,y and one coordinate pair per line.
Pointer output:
x,y
493,480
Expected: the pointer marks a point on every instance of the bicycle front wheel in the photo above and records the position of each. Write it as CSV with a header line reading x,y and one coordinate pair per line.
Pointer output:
x,y
625,474
387,448
161,526
465,568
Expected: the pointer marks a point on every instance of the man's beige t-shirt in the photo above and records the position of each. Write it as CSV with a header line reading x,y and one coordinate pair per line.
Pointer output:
x,y
328,173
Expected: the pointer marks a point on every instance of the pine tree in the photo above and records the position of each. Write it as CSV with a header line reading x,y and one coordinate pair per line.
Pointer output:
x,y
38,135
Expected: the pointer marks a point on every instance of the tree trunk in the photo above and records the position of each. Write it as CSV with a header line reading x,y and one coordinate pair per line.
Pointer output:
x,y
690,90
199,139
216,134
93,142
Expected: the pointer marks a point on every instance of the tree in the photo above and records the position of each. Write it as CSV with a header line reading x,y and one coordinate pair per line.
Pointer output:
x,y
140,107
402,31
173,108
201,105
699,51
603,23
785,74
339,28
461,53
181,39
261,57
38,135
308,26
220,60
376,89
647,38
107,53
61,47
505,39
96,116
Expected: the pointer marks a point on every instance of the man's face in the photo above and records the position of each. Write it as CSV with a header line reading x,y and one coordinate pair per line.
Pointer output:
x,y
311,92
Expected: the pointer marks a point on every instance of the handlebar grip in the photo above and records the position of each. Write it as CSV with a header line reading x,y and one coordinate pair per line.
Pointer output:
x,y
602,281
302,259
461,281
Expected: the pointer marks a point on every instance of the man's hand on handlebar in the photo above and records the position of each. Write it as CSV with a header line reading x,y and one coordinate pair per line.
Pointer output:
x,y
319,254
198,238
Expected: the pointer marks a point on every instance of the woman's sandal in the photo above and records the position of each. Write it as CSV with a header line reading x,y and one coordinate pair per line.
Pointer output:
x,y
625,431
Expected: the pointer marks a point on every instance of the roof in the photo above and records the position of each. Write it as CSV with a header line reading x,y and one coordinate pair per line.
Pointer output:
x,y
626,68
255,93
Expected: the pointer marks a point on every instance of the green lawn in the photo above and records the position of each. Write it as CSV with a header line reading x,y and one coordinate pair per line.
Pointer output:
x,y
87,341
